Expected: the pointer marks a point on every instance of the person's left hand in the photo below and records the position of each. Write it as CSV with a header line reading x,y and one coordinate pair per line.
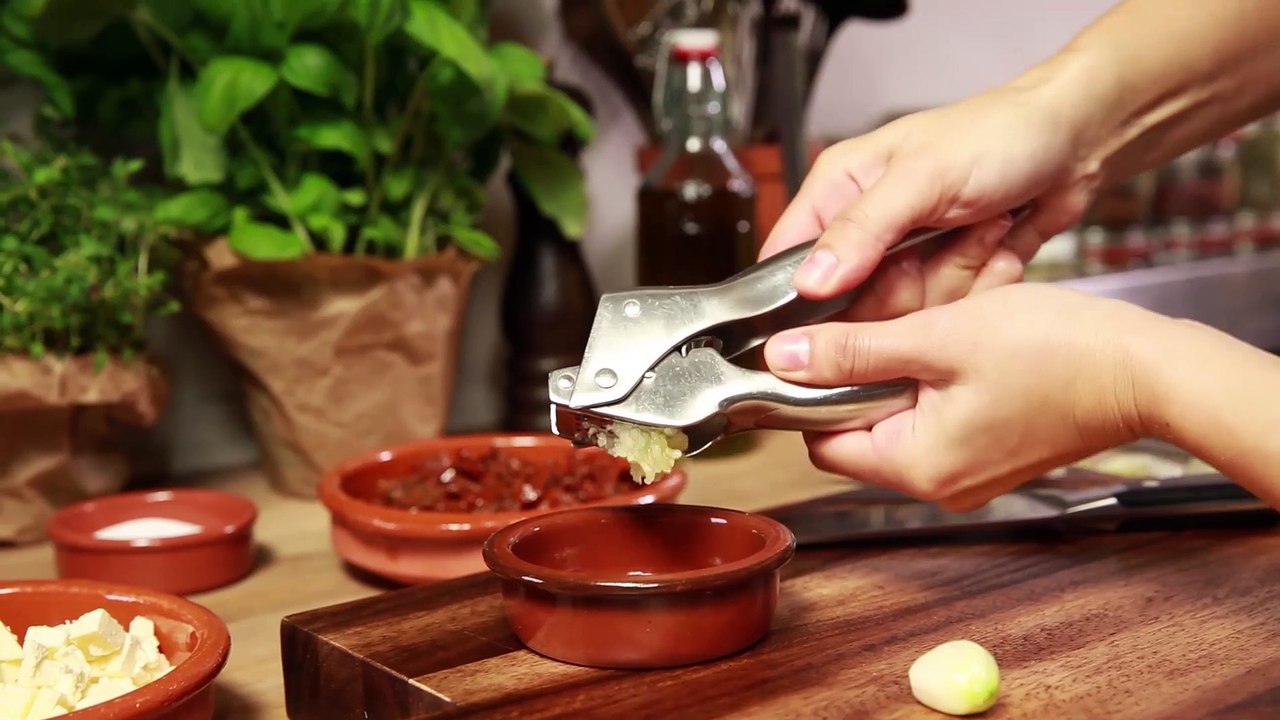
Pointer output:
x,y
1013,382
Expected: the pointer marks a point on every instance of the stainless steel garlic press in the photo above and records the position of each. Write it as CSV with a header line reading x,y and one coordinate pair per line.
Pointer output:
x,y
660,357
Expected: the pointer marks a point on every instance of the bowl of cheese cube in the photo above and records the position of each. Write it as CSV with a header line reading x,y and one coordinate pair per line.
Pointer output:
x,y
96,651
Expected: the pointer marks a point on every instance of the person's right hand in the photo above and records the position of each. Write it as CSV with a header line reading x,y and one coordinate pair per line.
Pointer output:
x,y
967,163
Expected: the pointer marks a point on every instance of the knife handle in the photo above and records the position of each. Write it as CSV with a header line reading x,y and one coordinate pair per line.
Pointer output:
x,y
1193,489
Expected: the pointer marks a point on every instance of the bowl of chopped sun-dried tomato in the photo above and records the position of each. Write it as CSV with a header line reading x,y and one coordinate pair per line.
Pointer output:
x,y
420,512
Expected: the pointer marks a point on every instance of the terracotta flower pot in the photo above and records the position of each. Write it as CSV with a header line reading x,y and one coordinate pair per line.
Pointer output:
x,y
339,353
59,440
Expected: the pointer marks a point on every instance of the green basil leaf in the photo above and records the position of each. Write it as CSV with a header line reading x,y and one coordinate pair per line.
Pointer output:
x,y
303,14
355,197
29,64
435,30
330,228
383,232
462,112
72,21
174,16
377,18
260,241
254,31
336,135
475,241
315,69
382,140
397,184
203,210
315,193
546,114
229,86
554,182
18,16
522,66
191,153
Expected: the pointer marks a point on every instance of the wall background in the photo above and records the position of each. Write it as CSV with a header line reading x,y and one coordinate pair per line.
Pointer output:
x,y
942,51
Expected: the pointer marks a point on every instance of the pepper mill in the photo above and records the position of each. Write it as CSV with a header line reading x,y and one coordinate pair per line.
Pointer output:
x,y
548,305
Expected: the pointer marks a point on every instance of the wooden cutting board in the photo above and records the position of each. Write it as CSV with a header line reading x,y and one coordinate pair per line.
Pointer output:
x,y
1151,625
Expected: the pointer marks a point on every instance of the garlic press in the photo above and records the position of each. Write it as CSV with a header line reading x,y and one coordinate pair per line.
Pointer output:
x,y
661,357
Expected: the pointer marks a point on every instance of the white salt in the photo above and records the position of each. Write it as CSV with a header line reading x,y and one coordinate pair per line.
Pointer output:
x,y
147,528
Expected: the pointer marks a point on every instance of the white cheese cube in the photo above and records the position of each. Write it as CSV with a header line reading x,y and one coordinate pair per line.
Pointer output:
x,y
46,704
9,671
10,648
96,633
15,701
105,689
127,662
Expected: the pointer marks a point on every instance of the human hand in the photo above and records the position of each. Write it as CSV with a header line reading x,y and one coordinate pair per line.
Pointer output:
x,y
1013,382
964,164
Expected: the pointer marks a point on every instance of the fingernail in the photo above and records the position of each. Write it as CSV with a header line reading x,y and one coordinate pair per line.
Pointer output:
x,y
817,269
788,352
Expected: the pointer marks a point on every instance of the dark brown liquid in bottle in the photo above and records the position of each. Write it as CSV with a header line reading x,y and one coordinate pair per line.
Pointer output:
x,y
696,223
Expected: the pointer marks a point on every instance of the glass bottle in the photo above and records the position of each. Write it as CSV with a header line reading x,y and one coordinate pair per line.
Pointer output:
x,y
696,204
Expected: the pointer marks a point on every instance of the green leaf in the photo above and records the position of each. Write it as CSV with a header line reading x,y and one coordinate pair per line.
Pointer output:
x,y
462,112
219,11
229,86
254,31
555,184
304,14
475,241
397,184
355,197
383,232
315,69
522,66
29,64
382,140
174,16
315,193
18,16
545,114
260,241
336,135
203,210
330,228
191,153
72,21
377,18
431,26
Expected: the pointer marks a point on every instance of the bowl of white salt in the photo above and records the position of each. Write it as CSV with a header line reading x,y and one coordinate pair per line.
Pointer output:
x,y
180,540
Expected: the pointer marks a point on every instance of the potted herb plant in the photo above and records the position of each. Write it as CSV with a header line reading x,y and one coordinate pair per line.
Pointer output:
x,y
336,153
80,272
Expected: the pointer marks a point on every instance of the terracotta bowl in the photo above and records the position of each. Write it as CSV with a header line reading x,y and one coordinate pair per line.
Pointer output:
x,y
192,637
640,587
220,553
423,546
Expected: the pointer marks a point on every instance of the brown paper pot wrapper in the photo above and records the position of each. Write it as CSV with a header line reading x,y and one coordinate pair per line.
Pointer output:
x,y
58,441
340,354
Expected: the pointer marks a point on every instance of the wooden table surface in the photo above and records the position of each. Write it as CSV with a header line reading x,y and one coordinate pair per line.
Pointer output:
x,y
299,571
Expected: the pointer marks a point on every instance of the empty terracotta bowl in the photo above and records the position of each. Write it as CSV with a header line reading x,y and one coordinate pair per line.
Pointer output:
x,y
182,540
640,587
193,638
420,512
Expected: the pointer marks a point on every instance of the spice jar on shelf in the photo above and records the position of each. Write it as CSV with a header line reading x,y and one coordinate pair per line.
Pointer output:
x,y
1257,220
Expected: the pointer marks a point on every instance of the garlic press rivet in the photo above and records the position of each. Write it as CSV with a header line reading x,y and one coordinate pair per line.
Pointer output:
x,y
606,378
631,309
565,381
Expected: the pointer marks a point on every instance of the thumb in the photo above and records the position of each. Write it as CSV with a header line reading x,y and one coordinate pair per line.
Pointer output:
x,y
831,354
855,240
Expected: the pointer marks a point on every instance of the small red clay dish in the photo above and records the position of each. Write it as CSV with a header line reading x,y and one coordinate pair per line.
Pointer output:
x,y
179,540
640,587
194,639
420,512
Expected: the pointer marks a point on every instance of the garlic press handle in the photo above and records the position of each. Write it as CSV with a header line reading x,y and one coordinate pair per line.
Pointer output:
x,y
761,400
